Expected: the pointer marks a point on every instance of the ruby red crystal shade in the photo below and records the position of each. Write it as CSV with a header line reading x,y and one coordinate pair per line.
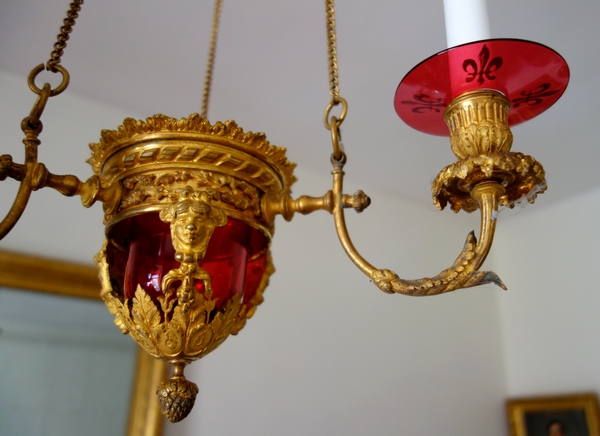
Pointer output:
x,y
531,75
236,258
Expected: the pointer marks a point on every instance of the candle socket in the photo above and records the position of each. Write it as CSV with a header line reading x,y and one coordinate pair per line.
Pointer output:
x,y
478,123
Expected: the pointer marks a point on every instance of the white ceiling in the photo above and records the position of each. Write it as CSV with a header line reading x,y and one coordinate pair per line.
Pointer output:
x,y
148,56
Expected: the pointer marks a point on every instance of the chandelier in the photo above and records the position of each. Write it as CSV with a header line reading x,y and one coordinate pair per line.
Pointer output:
x,y
190,205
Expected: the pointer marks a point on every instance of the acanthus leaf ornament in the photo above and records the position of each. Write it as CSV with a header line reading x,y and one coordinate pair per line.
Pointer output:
x,y
186,332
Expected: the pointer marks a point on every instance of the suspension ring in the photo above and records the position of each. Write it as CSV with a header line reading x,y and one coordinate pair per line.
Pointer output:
x,y
60,88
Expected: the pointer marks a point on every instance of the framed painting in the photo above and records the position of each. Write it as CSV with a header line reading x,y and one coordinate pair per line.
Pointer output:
x,y
562,415
65,279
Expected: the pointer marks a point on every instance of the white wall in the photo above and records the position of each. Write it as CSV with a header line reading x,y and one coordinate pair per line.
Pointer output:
x,y
551,329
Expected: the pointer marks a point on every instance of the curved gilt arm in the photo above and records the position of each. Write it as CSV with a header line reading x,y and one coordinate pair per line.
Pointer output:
x,y
464,271
22,173
34,175
17,172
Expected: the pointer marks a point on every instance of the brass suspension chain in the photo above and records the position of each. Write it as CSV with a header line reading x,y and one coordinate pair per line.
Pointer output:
x,y
211,57
334,87
63,36
334,123
53,65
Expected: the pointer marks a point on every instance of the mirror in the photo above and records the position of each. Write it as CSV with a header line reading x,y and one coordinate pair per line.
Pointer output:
x,y
66,368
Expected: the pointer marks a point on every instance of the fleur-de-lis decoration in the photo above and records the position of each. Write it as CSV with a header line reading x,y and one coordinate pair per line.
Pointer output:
x,y
484,70
534,96
425,103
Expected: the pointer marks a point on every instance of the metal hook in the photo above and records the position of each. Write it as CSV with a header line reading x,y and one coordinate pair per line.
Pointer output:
x,y
39,105
336,136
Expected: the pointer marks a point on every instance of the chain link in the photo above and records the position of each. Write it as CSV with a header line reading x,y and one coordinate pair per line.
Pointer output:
x,y
211,57
63,36
334,88
333,123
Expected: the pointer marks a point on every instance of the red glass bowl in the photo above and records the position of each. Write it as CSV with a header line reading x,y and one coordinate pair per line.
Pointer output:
x,y
531,75
236,258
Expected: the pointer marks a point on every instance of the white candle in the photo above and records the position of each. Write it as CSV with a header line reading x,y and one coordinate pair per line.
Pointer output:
x,y
466,21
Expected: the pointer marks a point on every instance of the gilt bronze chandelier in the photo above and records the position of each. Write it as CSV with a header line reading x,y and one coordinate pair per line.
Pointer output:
x,y
190,205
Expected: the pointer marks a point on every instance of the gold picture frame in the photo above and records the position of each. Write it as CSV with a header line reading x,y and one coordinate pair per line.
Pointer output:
x,y
559,415
77,280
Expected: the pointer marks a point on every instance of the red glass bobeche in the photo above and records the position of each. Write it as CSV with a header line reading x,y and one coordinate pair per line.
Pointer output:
x,y
532,76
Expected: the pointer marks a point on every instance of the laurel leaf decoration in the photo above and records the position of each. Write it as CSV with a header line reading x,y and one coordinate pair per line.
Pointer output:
x,y
115,307
142,337
459,275
144,310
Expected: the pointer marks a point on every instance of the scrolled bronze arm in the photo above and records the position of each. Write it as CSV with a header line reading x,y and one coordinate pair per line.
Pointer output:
x,y
464,271
22,173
